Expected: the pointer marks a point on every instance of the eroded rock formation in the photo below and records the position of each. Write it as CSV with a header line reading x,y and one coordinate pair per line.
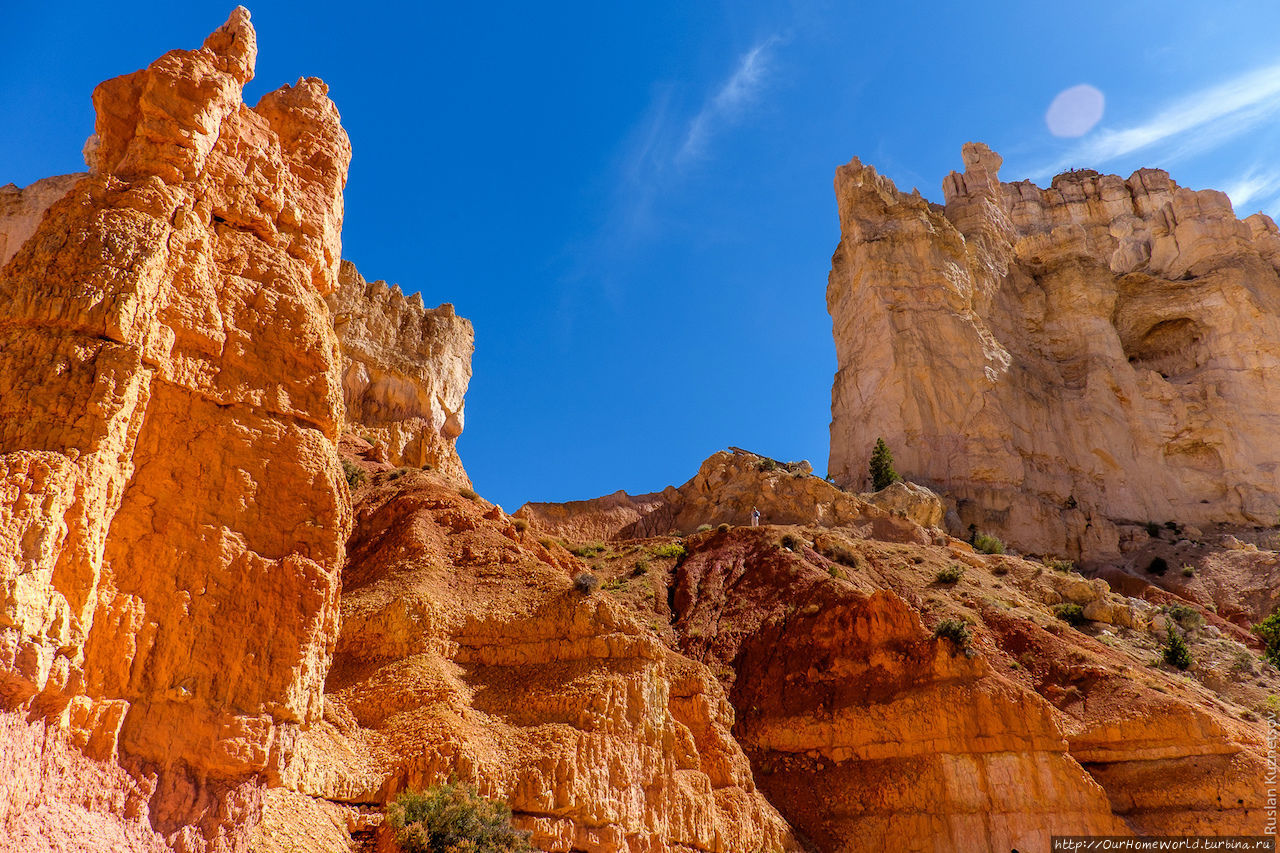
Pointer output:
x,y
1069,362
405,370
728,486
465,649
869,732
172,512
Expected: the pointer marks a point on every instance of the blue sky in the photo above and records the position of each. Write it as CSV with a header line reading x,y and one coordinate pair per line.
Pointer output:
x,y
633,202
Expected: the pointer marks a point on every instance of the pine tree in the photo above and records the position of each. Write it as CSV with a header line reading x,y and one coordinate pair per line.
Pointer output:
x,y
1176,652
1269,630
882,473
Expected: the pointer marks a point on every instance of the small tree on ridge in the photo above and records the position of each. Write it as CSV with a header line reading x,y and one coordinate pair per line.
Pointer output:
x,y
882,473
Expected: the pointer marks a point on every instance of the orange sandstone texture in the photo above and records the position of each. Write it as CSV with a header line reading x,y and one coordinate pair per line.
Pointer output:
x,y
867,733
466,649
1066,363
172,510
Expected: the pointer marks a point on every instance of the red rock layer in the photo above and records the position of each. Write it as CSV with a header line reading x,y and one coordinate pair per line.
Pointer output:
x,y
866,732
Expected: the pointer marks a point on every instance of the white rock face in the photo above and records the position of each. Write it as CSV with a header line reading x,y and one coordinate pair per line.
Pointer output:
x,y
1061,361
405,371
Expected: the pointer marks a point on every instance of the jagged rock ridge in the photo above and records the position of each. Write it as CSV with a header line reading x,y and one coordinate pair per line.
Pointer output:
x,y
1068,362
405,370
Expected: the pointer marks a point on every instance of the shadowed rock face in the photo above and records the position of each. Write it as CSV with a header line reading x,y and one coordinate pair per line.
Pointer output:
x,y
1062,361
172,511
405,370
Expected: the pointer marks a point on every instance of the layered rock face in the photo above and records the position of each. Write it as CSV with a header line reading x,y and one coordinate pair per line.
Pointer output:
x,y
465,649
172,512
869,732
1065,362
405,371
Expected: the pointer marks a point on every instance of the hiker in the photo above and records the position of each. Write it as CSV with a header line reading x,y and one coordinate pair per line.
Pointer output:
x,y
755,517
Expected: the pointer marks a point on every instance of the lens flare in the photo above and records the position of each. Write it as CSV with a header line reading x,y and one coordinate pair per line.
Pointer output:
x,y
1075,111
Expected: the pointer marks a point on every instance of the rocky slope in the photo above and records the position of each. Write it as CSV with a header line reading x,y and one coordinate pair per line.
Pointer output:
x,y
867,732
466,649
173,515
1067,363
405,371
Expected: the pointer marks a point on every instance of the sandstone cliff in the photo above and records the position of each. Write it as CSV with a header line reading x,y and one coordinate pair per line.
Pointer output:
x,y
1067,363
172,512
405,370
465,649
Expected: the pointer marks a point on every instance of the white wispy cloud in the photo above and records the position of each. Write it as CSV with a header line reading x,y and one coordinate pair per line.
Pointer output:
x,y
728,103
1216,114
1254,184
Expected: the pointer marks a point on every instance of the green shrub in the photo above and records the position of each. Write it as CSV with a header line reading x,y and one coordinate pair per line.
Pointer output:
x,y
834,571
669,549
1188,618
354,473
1176,652
840,554
951,574
520,525
882,473
987,544
1269,632
469,494
704,528
642,567
453,818
586,583
723,528
955,630
767,465
1063,566
588,549
1188,572
1072,614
